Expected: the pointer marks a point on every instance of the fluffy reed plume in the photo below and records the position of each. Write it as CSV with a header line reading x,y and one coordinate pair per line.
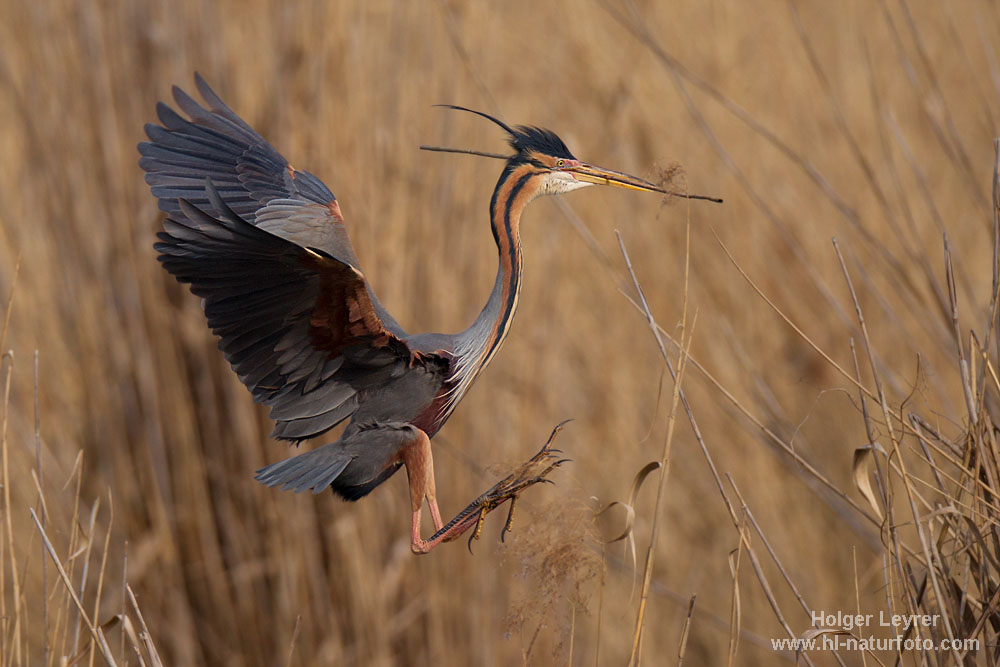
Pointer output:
x,y
557,554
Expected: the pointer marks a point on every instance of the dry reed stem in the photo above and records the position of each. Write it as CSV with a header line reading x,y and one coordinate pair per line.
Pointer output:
x,y
735,612
98,637
952,131
38,478
656,329
291,644
6,546
808,467
912,495
857,596
679,75
84,579
14,655
144,635
758,569
634,659
745,412
99,597
682,644
900,460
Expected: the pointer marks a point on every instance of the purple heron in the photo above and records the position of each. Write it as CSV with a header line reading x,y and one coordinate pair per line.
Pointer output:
x,y
266,247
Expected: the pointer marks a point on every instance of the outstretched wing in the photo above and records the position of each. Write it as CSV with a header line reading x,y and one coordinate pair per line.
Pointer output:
x,y
266,247
297,325
251,177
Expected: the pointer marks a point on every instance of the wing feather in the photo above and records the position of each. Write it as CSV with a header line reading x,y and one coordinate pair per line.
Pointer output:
x,y
266,247
247,171
297,326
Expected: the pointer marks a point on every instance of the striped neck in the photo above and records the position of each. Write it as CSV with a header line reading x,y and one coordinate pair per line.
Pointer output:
x,y
518,185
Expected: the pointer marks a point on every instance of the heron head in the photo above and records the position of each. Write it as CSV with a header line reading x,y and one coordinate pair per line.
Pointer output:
x,y
559,170
554,169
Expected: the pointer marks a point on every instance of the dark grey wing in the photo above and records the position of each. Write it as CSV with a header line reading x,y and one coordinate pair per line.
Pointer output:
x,y
250,176
297,325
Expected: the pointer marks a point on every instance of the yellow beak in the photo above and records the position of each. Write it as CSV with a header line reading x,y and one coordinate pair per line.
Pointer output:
x,y
588,173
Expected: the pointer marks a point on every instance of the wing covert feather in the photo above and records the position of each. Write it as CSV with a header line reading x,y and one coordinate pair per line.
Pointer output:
x,y
297,326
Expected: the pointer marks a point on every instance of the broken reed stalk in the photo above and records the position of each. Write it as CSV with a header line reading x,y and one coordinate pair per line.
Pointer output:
x,y
682,644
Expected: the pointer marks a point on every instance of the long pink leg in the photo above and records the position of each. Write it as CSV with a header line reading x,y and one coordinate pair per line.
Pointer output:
x,y
420,469
431,492
419,462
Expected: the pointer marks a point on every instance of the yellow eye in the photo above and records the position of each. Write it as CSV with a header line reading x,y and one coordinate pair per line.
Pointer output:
x,y
560,163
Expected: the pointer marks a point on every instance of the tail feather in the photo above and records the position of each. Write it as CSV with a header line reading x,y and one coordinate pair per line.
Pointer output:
x,y
316,469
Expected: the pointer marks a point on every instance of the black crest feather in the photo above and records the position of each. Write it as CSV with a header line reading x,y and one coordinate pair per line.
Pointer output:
x,y
525,139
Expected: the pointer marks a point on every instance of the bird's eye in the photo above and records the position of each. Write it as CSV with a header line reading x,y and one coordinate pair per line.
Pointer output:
x,y
560,163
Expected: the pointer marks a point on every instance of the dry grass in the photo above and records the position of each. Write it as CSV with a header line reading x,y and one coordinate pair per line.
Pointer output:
x,y
843,455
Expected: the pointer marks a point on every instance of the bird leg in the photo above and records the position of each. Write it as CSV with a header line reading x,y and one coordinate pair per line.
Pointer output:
x,y
535,470
419,462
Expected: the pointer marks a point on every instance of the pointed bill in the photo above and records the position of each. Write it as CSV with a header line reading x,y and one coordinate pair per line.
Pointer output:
x,y
589,173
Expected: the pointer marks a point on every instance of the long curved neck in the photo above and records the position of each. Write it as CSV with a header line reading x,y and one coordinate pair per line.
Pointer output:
x,y
481,341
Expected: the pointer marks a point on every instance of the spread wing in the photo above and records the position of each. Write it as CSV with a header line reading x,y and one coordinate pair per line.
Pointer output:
x,y
247,172
265,245
297,325
251,177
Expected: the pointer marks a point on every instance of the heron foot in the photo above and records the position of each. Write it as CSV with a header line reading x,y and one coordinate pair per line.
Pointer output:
x,y
535,470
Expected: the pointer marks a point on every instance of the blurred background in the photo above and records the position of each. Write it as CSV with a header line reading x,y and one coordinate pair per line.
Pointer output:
x,y
868,122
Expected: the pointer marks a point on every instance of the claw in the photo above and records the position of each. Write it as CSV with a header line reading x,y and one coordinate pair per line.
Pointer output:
x,y
556,430
509,524
483,511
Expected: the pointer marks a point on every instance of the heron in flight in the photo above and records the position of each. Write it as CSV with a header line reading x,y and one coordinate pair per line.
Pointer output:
x,y
266,247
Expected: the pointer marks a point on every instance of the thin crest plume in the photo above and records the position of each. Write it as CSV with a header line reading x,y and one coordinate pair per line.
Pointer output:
x,y
482,114
525,138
